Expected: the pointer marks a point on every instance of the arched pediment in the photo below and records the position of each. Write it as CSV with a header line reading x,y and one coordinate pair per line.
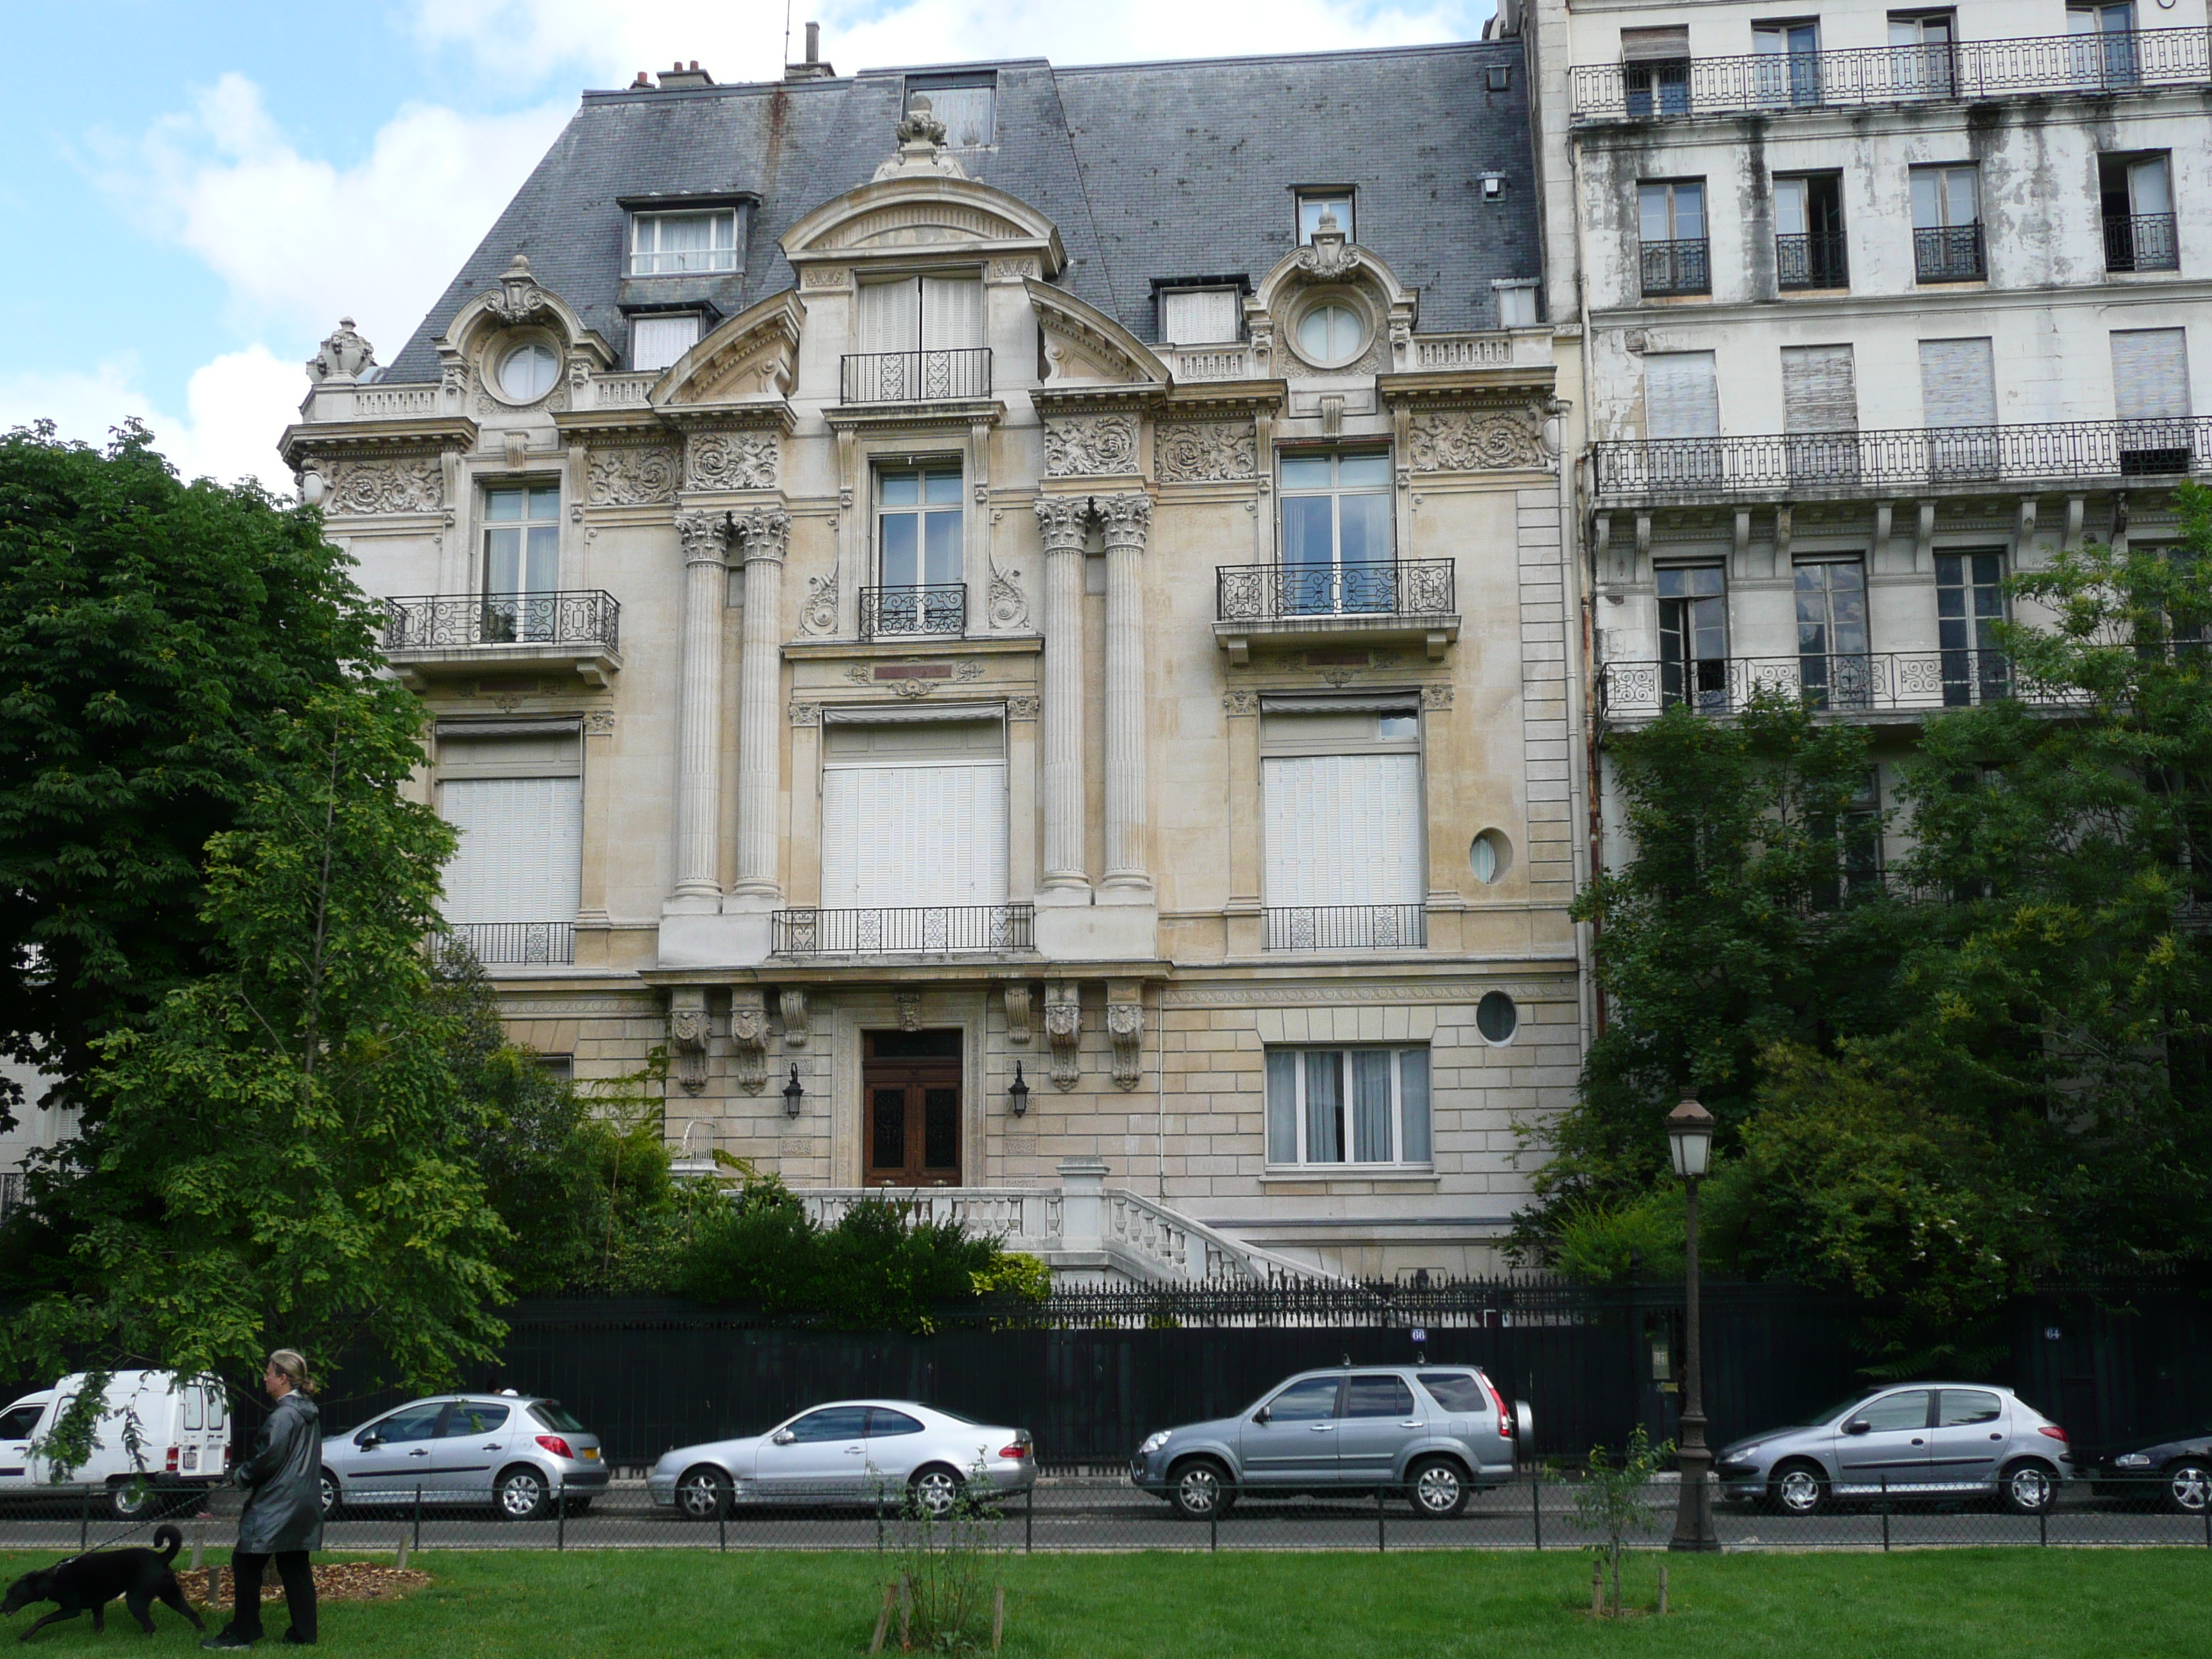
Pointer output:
x,y
1082,342
923,211
520,301
1330,260
753,354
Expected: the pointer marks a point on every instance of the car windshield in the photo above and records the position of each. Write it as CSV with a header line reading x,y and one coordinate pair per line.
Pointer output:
x,y
555,1416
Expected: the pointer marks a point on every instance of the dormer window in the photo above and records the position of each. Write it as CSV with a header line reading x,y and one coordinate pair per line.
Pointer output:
x,y
656,340
1202,314
683,244
963,102
1335,201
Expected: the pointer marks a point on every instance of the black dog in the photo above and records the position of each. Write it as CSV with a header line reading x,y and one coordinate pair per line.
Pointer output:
x,y
95,1580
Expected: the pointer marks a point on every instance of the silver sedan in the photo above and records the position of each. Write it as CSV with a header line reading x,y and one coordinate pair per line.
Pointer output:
x,y
1928,1440
516,1452
848,1451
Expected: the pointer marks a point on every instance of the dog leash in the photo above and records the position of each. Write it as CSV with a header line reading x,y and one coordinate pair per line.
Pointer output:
x,y
110,1543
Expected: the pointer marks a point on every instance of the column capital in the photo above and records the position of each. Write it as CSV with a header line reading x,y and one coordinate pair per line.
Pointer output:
x,y
1063,522
765,530
1126,520
704,536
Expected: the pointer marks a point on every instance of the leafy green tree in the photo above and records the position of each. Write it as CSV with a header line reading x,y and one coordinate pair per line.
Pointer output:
x,y
1613,1500
282,1151
152,635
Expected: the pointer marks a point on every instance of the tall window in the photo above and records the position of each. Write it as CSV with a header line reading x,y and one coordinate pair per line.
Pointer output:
x,y
1336,533
1921,46
1833,668
1959,406
657,341
918,553
1821,413
1693,637
1681,401
922,336
1969,604
1788,61
1344,861
1348,1106
1313,204
1655,69
2137,194
913,813
1808,232
2104,45
2150,397
1947,225
516,800
1673,255
1856,833
680,244
521,562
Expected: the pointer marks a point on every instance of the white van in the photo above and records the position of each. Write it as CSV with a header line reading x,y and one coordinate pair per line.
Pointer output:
x,y
182,1433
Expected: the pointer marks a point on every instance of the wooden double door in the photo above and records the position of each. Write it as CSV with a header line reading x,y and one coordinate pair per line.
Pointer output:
x,y
911,1082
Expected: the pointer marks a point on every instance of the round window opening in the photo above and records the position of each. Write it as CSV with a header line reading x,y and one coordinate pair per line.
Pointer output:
x,y
528,373
1489,855
1331,332
1496,1018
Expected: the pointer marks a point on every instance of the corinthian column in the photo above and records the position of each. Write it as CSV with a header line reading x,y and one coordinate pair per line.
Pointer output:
x,y
1062,518
766,532
698,780
1126,519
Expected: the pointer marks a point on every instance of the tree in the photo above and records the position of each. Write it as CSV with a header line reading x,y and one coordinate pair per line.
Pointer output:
x,y
281,1150
1614,1499
152,635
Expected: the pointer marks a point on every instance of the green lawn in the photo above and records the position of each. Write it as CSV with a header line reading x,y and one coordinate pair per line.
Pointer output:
x,y
1957,1604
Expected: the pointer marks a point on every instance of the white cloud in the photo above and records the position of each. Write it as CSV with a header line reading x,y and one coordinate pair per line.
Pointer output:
x,y
235,407
744,41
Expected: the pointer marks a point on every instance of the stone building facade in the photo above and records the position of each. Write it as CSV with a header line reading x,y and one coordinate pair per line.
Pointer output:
x,y
1015,622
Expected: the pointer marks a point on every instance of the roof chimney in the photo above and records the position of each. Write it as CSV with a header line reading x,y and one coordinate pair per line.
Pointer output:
x,y
678,77
813,68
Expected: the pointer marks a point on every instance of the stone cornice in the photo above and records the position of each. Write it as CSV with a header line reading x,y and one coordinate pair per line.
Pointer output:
x,y
753,414
950,415
1484,387
432,436
1210,398
1096,400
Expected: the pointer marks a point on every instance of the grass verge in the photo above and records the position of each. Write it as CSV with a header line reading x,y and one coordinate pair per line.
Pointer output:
x,y
1957,1604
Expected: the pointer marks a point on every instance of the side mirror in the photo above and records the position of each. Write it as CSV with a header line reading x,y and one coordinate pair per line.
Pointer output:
x,y
782,1438
1262,1416
369,1442
1857,1425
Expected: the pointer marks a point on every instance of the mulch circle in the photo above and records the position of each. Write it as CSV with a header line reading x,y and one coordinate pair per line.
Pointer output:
x,y
337,1581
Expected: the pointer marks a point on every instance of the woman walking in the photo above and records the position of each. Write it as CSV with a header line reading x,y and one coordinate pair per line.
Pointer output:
x,y
283,1515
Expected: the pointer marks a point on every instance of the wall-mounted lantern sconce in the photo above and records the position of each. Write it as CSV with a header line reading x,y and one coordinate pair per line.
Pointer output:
x,y
793,1096
1017,1095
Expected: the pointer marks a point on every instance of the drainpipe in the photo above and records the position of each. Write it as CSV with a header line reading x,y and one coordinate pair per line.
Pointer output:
x,y
1593,999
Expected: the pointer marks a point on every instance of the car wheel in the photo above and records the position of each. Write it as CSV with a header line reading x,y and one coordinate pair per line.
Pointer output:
x,y
1201,1490
2188,1486
1438,1488
2029,1488
326,1490
703,1494
134,1500
1800,1489
521,1495
934,1490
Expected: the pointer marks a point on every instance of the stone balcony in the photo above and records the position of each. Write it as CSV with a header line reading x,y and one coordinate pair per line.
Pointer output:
x,y
446,636
1404,601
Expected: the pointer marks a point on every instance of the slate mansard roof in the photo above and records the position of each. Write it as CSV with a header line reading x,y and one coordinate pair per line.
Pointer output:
x,y
1152,171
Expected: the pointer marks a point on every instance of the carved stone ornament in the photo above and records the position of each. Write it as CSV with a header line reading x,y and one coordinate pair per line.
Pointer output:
x,y
820,277
687,1037
1021,709
599,723
920,125
820,614
910,1011
633,476
1474,440
1082,445
519,298
790,1004
749,1036
806,714
731,461
705,537
1009,605
1241,704
1329,255
1018,1015
1125,1030
1063,1029
1124,521
1205,452
414,486
341,357
1063,522
763,533
921,147
1435,696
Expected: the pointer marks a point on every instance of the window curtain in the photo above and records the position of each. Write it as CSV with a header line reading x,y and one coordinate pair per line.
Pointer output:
x,y
1370,1106
1282,1106
1414,1106
1324,1106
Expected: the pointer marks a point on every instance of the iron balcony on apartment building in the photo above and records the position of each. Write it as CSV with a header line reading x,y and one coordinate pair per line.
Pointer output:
x,y
906,930
1668,268
915,377
1948,253
1812,464
1347,927
516,943
2140,241
1865,683
432,635
1971,71
1359,602
1808,260
939,610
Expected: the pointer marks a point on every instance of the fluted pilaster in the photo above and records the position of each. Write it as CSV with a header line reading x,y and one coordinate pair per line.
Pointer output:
x,y
1126,521
698,773
1062,520
764,534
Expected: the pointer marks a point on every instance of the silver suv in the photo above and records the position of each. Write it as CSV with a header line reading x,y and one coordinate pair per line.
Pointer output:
x,y
519,1453
1436,1433
1929,1440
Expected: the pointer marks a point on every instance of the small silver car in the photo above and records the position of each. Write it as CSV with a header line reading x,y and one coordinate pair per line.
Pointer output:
x,y
848,1451
519,1453
1925,1440
1436,1431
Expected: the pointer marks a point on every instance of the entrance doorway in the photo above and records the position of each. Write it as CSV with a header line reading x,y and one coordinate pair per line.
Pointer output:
x,y
911,1083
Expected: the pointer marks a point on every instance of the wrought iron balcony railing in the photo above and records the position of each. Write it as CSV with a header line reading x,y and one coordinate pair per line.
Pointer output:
x,y
1347,927
1273,592
2140,241
1948,253
433,621
905,930
524,944
940,610
1858,682
915,377
1973,70
1769,462
1681,267
1811,260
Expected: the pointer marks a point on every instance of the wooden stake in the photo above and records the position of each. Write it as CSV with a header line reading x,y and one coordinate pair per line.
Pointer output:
x,y
883,1619
1597,1590
215,1587
1662,1589
200,1540
998,1615
906,1614
401,1559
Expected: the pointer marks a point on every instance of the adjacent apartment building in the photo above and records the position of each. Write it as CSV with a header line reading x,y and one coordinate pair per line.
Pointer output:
x,y
1014,622
1877,305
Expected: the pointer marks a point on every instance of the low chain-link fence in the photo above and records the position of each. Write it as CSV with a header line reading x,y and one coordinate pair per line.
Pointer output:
x,y
1096,1512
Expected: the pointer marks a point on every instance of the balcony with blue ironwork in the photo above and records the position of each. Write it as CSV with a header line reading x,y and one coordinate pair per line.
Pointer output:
x,y
448,635
1359,602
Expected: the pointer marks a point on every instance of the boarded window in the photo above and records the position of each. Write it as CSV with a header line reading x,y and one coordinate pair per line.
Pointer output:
x,y
1655,46
657,342
1198,316
1820,392
2150,374
1681,395
1958,383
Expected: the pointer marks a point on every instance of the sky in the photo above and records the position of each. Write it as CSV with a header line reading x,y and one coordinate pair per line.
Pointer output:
x,y
192,195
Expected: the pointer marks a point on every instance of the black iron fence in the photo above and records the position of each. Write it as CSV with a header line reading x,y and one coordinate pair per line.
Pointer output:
x,y
1679,267
432,621
907,929
1974,71
2027,452
1346,926
905,377
940,608
2140,241
1871,682
1948,253
1808,260
520,943
1271,593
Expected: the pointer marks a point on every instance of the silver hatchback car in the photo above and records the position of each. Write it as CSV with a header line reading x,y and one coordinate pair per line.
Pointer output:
x,y
847,1451
518,1453
1927,1440
1436,1431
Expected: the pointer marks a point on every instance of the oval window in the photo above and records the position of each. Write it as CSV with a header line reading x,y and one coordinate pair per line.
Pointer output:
x,y
1489,855
1330,333
1495,1017
528,371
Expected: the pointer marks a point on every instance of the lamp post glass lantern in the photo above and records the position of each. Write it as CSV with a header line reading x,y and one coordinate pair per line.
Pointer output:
x,y
793,1095
1689,1140
1017,1092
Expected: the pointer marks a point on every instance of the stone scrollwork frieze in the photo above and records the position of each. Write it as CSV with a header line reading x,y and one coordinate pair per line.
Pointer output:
x,y
1009,605
396,486
633,476
1125,1031
818,615
1474,441
731,461
1087,446
1205,452
1063,1030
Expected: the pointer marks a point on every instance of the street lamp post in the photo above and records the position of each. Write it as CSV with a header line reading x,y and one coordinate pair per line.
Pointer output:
x,y
1690,1137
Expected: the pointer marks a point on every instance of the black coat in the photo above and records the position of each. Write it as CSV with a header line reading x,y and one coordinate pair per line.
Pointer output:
x,y
283,1479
